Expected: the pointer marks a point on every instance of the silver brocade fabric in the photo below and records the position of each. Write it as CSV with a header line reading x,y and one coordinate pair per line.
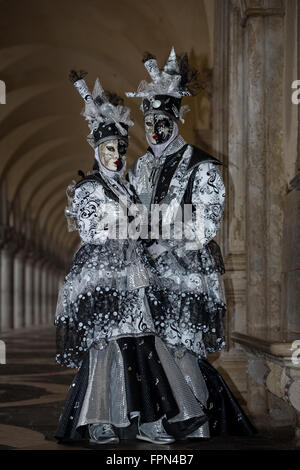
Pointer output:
x,y
104,270
185,268
105,399
188,405
208,190
188,364
94,212
140,174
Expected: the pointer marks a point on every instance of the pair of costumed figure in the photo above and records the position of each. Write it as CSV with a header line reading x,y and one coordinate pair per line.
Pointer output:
x,y
137,315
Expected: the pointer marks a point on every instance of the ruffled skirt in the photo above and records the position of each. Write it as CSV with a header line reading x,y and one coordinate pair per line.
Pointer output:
x,y
137,362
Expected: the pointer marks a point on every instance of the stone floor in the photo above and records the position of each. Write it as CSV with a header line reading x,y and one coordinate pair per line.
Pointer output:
x,y
33,389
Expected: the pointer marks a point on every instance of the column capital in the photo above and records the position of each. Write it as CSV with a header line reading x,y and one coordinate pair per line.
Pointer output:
x,y
252,8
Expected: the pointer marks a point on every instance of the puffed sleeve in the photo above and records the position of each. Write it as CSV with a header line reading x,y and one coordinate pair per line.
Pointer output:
x,y
208,202
92,212
87,206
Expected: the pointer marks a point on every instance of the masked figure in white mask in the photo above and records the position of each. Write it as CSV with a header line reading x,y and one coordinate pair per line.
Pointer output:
x,y
104,319
184,184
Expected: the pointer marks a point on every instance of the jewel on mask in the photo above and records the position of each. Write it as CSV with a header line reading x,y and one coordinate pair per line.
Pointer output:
x,y
156,104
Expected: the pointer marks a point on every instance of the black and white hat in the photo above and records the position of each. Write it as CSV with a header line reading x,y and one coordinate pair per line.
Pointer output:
x,y
107,117
168,86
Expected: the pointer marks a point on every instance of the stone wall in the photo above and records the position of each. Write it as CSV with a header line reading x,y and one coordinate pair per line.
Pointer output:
x,y
256,133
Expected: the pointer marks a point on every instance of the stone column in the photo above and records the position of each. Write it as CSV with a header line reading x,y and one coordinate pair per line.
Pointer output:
x,y
228,144
28,302
6,289
265,180
37,293
18,290
50,291
256,74
44,290
54,294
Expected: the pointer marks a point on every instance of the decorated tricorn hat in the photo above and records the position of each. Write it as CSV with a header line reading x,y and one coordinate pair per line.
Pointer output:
x,y
107,117
168,86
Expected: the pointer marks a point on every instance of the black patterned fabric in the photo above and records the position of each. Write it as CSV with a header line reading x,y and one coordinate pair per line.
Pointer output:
x,y
153,400
109,130
169,105
190,304
147,386
66,429
166,174
183,428
214,253
226,417
96,300
201,317
148,391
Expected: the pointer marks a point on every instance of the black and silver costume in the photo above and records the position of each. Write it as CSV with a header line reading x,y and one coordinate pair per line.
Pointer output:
x,y
173,176
104,317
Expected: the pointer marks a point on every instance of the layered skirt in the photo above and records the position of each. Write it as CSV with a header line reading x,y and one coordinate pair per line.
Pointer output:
x,y
107,327
187,286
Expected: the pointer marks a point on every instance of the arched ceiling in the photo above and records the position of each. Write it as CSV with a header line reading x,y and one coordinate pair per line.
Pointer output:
x,y
42,135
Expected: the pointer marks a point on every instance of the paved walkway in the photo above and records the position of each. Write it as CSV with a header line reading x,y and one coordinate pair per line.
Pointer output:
x,y
33,389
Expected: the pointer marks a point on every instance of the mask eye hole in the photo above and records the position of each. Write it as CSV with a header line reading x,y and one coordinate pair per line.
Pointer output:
x,y
148,124
122,150
110,148
122,147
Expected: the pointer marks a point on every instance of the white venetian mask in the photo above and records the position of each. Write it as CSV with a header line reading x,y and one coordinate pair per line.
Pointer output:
x,y
112,154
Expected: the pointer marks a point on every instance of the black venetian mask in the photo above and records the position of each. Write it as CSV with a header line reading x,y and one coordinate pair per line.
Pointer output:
x,y
158,127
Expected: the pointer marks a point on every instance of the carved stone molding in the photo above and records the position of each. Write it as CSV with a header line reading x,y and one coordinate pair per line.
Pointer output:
x,y
271,365
235,262
252,8
257,369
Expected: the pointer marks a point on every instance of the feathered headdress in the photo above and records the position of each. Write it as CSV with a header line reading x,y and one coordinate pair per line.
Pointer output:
x,y
168,86
107,117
